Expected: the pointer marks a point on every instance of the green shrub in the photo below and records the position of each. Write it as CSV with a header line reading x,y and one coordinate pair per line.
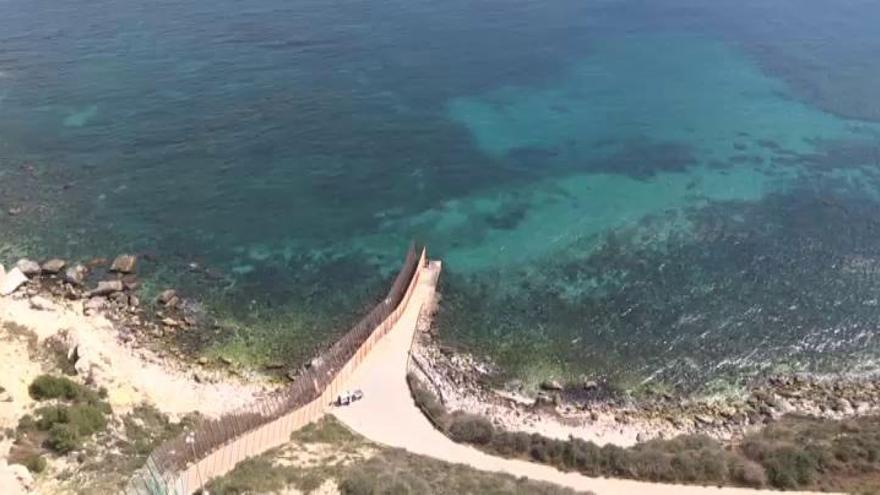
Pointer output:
x,y
511,444
469,428
63,439
35,463
68,426
51,387
26,422
427,401
747,473
86,419
357,483
788,467
255,475
50,415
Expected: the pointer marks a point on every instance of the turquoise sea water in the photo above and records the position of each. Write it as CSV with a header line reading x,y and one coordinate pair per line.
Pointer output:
x,y
654,192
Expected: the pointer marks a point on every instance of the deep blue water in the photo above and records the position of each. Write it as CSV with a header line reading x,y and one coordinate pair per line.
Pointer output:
x,y
656,191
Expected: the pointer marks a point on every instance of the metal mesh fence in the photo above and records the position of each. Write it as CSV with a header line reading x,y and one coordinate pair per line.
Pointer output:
x,y
247,427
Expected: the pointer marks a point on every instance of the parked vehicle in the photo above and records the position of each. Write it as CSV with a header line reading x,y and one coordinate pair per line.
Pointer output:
x,y
348,397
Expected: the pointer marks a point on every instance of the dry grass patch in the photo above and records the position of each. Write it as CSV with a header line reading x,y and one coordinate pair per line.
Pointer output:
x,y
327,450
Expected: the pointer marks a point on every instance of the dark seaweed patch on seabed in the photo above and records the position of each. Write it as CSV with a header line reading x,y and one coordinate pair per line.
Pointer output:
x,y
753,285
642,158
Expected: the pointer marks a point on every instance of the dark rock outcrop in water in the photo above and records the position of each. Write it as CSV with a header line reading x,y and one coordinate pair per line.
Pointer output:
x,y
125,263
53,266
28,267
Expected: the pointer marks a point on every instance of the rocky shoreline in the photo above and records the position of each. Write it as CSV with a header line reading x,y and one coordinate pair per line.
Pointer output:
x,y
588,409
591,411
157,321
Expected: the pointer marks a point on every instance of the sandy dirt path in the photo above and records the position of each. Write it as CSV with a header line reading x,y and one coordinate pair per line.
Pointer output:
x,y
388,415
131,376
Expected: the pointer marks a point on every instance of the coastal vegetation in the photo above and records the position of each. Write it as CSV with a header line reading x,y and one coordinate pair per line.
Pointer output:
x,y
69,415
75,420
75,414
795,452
358,467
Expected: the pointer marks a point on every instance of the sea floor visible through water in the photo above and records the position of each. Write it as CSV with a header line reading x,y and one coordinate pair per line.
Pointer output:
x,y
671,195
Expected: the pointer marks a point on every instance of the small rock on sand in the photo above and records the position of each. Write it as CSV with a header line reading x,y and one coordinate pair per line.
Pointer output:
x,y
41,303
28,267
53,266
12,281
124,263
95,304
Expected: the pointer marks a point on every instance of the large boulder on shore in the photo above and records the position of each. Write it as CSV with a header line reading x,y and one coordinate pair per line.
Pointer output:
x,y
76,274
124,263
53,266
12,281
552,385
106,287
29,268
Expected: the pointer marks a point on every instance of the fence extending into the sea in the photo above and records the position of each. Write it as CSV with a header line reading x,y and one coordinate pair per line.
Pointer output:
x,y
184,464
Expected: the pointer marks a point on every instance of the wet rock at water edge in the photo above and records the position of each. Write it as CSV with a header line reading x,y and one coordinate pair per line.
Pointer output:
x,y
125,263
131,282
119,298
168,297
12,281
170,322
76,274
551,385
96,262
543,400
106,287
53,266
29,268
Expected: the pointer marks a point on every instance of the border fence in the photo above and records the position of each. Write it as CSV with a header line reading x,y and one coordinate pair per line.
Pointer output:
x,y
187,462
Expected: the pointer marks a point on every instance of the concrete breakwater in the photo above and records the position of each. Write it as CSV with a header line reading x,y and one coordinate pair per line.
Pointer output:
x,y
186,463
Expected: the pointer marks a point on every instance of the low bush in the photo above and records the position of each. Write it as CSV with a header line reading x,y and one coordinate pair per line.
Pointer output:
x,y
35,463
427,402
66,425
256,475
63,439
469,428
51,387
794,453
